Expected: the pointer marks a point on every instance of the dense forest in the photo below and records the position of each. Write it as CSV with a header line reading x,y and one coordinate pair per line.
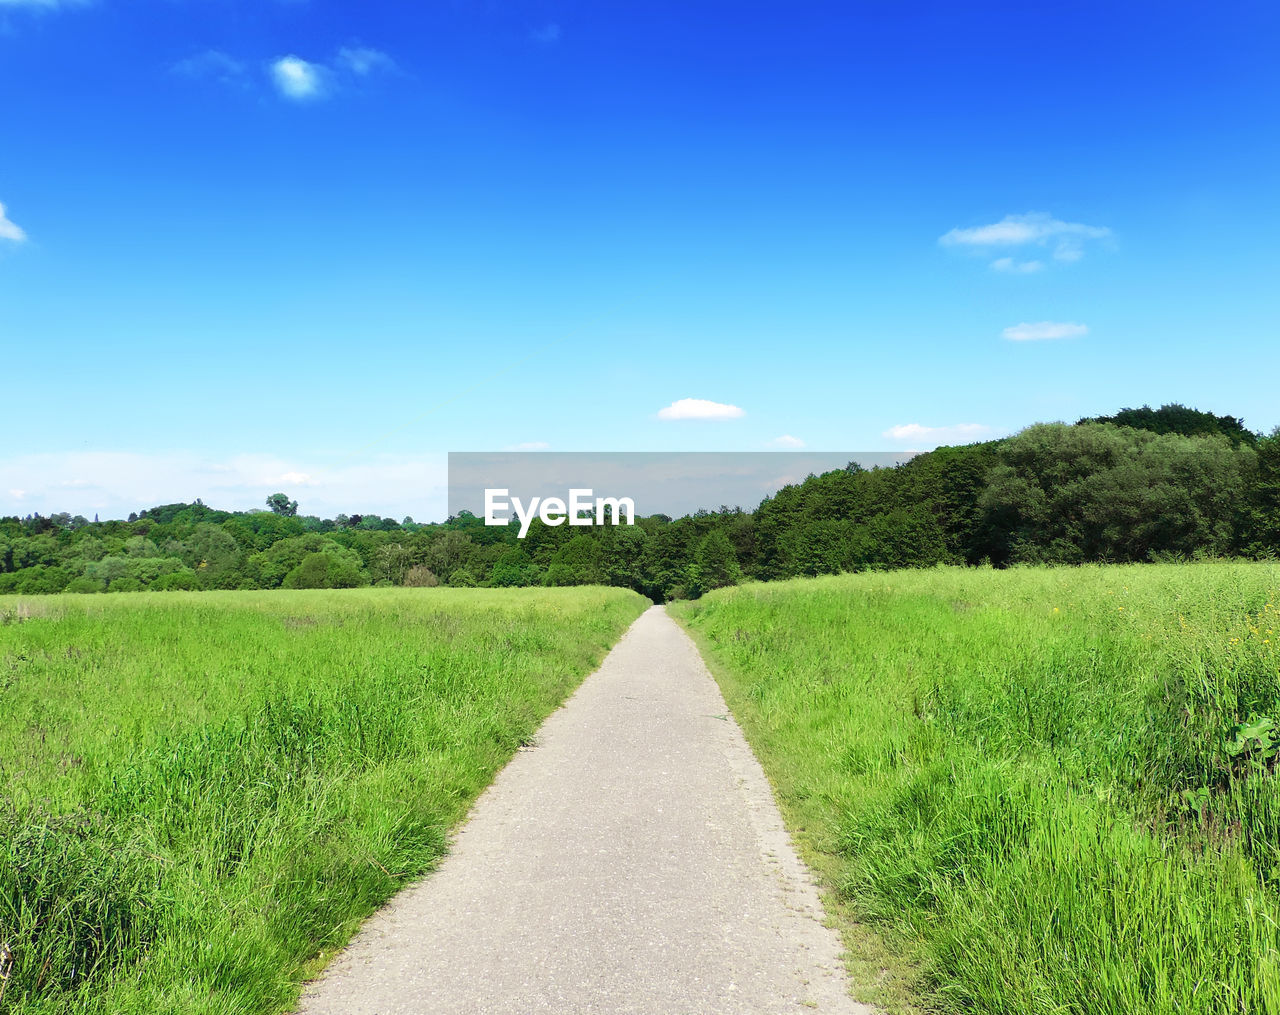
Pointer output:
x,y
1144,484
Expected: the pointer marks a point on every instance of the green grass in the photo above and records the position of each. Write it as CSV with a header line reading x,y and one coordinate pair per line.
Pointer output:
x,y
201,795
1052,790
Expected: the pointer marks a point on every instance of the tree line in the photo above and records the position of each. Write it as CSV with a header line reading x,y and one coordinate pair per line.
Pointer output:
x,y
1144,484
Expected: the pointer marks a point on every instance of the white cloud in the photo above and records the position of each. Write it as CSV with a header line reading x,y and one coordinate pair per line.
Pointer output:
x,y
1037,228
46,5
547,35
362,60
1042,330
212,63
786,441
934,436
1008,264
116,483
529,446
297,79
9,230
700,408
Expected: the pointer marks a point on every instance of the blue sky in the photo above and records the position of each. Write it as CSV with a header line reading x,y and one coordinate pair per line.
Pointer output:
x,y
251,245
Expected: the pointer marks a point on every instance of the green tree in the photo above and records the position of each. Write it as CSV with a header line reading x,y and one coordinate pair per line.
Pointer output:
x,y
1264,523
577,562
514,568
1099,492
1178,419
280,504
715,565
324,570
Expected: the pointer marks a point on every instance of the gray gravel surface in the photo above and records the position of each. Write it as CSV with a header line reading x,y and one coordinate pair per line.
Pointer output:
x,y
632,861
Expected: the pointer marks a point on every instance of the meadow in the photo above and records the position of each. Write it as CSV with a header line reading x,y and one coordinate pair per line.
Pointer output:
x,y
202,794
1052,789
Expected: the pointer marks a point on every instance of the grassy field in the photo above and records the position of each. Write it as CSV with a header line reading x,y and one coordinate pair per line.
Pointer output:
x,y
1054,787
201,795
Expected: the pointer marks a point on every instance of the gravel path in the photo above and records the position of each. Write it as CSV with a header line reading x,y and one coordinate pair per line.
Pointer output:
x,y
632,861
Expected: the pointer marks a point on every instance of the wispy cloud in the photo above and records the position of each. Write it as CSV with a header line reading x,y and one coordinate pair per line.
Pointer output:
x,y
548,35
1008,264
1042,330
1065,240
785,441
362,60
10,230
297,79
700,408
293,77
935,436
212,63
43,5
115,483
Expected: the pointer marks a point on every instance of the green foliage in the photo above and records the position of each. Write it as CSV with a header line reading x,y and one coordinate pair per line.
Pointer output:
x,y
715,564
280,504
39,579
1163,484
175,581
327,570
1178,419
1263,527
462,579
272,566
1095,492
212,552
203,791
577,562
84,584
514,569
1055,785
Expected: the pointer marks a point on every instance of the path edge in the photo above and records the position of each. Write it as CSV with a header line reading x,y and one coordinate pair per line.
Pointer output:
x,y
881,972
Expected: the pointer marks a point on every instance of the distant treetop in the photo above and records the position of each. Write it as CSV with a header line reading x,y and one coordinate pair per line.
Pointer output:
x,y
280,504
1175,418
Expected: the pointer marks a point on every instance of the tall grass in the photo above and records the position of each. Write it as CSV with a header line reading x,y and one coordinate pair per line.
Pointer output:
x,y
1056,784
201,795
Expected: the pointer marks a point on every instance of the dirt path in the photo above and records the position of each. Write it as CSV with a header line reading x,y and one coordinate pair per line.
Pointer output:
x,y
633,861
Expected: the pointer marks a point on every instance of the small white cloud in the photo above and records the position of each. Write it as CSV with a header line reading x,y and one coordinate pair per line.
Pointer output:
x,y
297,79
362,60
700,408
529,446
297,478
17,494
938,435
212,63
547,35
1008,264
1067,239
10,231
1043,330
45,5
786,441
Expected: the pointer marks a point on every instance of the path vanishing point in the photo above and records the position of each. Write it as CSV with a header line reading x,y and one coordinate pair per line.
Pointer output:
x,y
632,862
